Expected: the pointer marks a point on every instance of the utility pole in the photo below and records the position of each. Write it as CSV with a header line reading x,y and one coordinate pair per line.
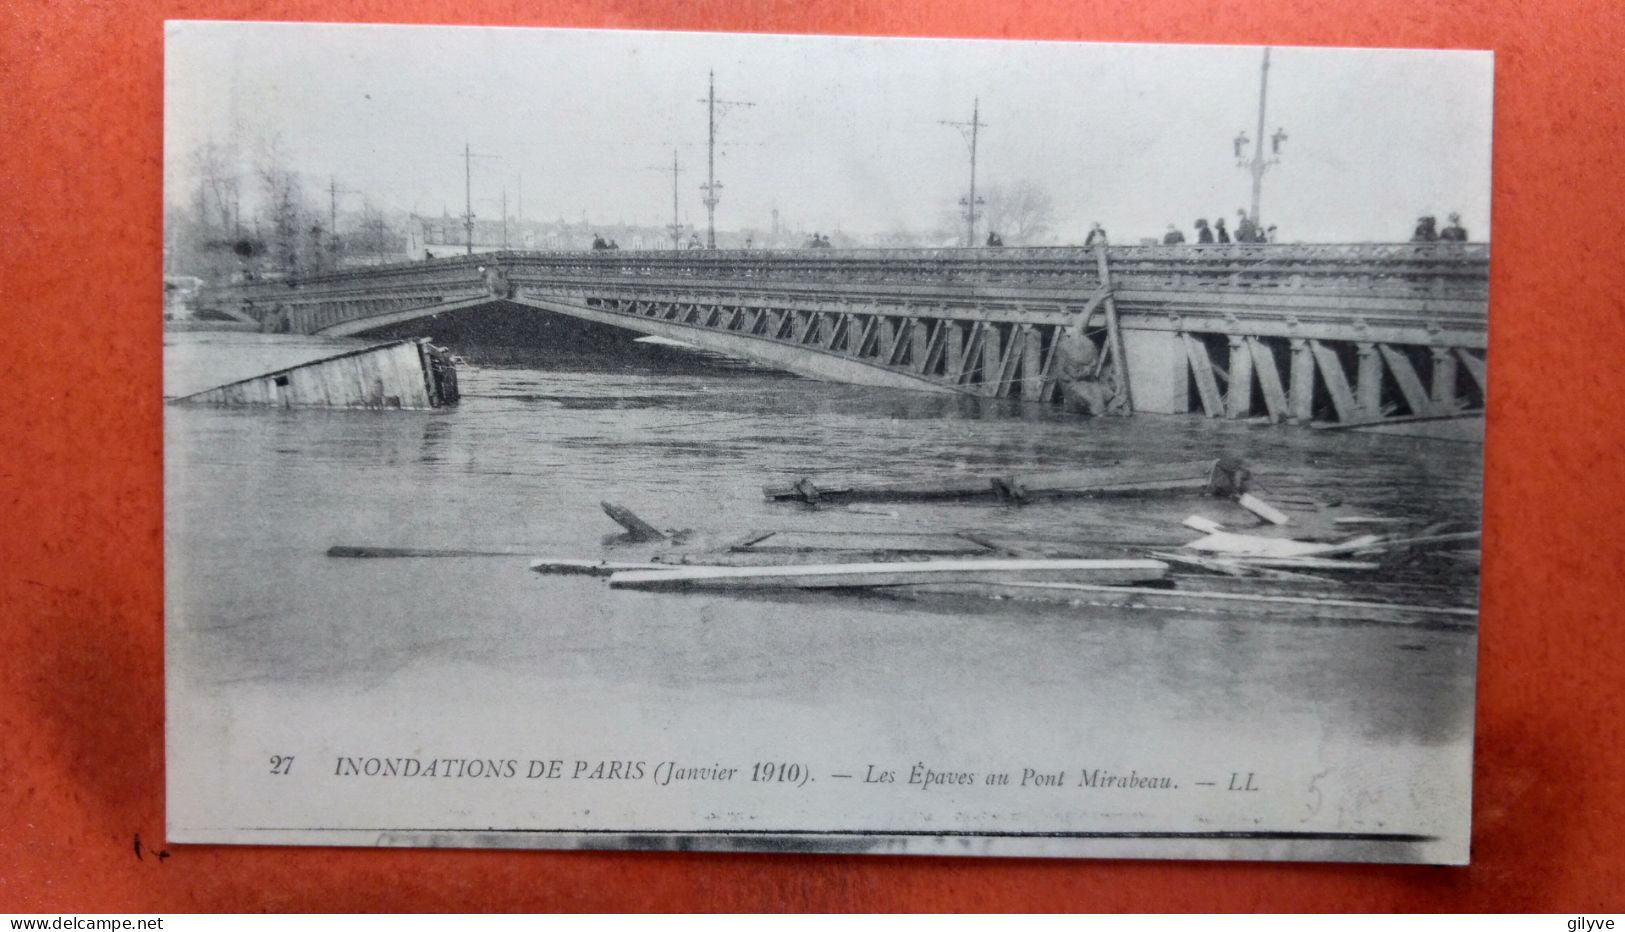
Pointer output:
x,y
970,131
333,192
712,186
468,192
676,224
504,218
1258,163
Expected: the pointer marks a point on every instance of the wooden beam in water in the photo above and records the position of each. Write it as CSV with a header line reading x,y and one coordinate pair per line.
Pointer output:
x,y
636,528
866,575
1097,481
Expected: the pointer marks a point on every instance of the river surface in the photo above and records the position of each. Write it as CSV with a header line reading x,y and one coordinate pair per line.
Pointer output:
x,y
276,651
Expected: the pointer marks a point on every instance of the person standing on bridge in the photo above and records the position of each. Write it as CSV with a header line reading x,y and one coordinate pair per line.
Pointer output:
x,y
994,239
1246,229
1173,237
1097,235
1203,234
1426,231
1220,234
1455,232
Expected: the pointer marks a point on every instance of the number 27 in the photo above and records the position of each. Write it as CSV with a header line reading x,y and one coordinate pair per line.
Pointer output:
x,y
282,766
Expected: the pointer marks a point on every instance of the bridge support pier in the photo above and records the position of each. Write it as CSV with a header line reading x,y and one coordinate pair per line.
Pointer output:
x,y
1444,378
1239,399
1157,361
1301,396
1368,381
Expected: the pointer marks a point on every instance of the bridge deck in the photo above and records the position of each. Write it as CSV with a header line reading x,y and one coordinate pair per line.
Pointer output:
x,y
1212,323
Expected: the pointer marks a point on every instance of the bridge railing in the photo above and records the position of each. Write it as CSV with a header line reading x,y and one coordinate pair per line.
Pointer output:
x,y
1454,270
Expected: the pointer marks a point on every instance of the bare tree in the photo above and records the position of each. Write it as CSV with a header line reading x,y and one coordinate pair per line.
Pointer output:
x,y
1022,212
297,240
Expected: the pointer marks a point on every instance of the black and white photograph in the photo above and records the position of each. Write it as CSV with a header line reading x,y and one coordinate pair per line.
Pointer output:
x,y
781,443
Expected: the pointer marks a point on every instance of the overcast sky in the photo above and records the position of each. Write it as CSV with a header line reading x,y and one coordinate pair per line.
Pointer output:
x,y
845,132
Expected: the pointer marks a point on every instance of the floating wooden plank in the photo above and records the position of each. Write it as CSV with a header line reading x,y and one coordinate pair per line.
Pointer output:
x,y
1402,543
637,529
901,543
1098,481
1261,508
1249,545
1238,567
401,374
371,553
1205,525
863,575
1225,567
1305,563
549,566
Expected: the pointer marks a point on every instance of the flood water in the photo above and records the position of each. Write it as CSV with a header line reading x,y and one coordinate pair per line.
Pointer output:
x,y
278,650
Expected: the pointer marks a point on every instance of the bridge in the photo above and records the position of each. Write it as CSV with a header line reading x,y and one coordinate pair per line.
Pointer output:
x,y
1323,334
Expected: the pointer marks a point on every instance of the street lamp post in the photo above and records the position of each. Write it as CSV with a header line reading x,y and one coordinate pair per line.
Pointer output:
x,y
1259,162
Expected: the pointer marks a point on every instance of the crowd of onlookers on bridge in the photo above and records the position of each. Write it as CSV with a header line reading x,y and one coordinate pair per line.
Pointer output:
x,y
1427,230
1247,230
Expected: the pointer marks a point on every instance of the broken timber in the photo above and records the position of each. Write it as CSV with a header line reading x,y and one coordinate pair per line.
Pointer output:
x,y
637,529
1224,478
402,374
866,575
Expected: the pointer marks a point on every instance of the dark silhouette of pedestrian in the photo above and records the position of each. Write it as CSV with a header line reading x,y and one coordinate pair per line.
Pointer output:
x,y
994,239
1426,230
1173,237
1246,229
1203,234
1455,232
1097,235
1219,232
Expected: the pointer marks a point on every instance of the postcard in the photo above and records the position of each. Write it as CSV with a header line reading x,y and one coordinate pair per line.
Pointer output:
x,y
639,440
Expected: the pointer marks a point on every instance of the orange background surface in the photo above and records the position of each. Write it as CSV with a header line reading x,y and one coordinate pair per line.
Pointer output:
x,y
81,671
